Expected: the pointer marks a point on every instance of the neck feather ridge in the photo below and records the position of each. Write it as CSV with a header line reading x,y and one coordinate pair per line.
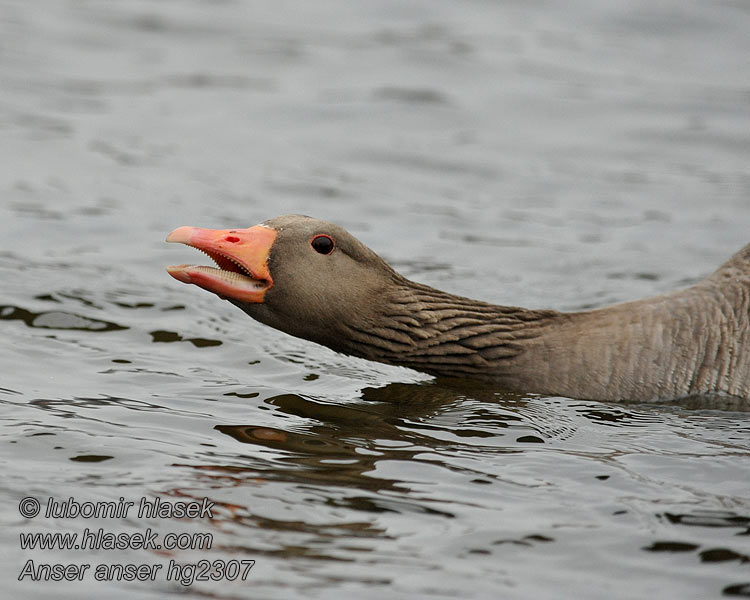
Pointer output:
x,y
443,334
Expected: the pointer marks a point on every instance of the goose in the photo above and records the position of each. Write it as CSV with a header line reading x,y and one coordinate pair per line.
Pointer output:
x,y
312,279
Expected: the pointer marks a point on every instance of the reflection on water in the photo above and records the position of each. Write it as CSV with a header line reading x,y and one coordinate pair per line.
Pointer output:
x,y
409,449
56,320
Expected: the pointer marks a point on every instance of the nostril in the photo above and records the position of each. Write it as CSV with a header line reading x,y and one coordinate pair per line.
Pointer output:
x,y
231,238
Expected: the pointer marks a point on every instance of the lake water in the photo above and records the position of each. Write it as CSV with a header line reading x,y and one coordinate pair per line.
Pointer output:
x,y
562,155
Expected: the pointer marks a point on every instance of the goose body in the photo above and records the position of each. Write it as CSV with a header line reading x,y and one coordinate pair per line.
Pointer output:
x,y
314,280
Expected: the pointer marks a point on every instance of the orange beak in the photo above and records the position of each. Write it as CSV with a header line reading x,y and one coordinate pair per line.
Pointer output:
x,y
241,256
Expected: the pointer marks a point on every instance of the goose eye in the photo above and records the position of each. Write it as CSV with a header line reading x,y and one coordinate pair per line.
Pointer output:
x,y
322,244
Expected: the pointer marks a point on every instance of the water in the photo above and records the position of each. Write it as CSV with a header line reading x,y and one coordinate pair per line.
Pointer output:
x,y
543,155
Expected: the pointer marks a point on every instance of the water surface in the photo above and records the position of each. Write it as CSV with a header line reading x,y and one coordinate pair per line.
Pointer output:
x,y
529,154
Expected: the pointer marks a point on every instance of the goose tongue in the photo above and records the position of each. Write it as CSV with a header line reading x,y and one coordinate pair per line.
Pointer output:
x,y
241,256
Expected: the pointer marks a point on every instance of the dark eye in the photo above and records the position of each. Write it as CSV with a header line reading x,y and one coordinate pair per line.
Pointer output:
x,y
323,244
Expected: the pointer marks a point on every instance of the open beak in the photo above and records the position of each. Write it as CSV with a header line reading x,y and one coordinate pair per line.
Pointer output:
x,y
241,257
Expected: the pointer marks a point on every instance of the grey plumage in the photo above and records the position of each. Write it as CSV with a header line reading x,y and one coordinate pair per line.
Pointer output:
x,y
684,343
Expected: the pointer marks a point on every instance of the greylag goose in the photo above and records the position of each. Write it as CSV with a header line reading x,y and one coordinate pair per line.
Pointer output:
x,y
314,280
